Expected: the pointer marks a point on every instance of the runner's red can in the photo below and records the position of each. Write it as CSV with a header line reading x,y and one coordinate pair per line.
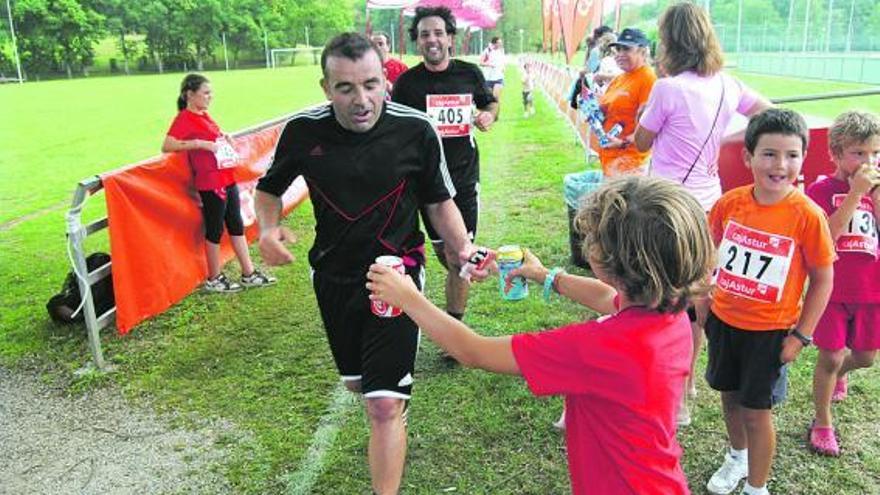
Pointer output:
x,y
381,308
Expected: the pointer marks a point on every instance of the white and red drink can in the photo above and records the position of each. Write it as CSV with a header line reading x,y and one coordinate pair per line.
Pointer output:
x,y
381,308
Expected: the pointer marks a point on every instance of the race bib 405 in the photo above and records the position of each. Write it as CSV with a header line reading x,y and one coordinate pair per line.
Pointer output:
x,y
452,114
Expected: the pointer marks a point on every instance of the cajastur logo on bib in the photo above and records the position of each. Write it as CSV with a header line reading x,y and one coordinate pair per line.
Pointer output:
x,y
860,235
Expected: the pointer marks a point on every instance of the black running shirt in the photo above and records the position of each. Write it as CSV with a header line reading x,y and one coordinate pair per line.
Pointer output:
x,y
365,187
460,77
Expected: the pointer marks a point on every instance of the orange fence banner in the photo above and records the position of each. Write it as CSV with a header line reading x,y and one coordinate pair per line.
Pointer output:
x,y
157,240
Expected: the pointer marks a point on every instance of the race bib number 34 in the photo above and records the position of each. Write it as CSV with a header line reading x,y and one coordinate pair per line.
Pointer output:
x,y
860,235
452,114
752,263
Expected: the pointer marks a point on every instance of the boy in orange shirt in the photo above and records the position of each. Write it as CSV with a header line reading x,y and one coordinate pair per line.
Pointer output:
x,y
770,238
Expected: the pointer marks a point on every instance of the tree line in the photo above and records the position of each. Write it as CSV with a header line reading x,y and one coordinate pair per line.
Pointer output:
x,y
61,35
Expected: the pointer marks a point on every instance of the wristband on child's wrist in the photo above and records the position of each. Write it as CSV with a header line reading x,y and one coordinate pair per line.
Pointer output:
x,y
805,340
550,283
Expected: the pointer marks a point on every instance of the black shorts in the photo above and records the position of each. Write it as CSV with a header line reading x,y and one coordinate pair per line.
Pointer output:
x,y
527,98
467,199
747,362
380,352
216,211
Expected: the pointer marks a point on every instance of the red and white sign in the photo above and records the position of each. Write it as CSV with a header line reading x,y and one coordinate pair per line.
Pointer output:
x,y
226,155
753,264
860,235
452,114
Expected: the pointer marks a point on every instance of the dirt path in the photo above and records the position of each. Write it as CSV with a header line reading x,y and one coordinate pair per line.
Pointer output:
x,y
98,444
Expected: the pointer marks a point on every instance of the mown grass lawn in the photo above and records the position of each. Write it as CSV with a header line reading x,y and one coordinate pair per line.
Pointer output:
x,y
55,133
260,360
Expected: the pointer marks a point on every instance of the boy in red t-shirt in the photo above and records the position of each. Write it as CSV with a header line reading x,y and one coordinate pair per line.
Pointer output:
x,y
851,321
622,375
770,238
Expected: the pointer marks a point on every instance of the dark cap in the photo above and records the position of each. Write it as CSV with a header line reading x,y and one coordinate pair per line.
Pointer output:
x,y
631,37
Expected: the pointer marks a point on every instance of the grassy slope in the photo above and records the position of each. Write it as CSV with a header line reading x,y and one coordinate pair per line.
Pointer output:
x,y
260,359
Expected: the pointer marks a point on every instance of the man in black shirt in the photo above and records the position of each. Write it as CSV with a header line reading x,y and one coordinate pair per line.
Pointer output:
x,y
448,89
369,168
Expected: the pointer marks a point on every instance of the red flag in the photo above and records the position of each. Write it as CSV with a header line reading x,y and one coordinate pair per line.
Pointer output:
x,y
556,26
617,16
577,18
547,17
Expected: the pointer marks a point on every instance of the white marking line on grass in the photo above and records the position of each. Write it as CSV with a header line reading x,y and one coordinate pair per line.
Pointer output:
x,y
24,218
303,479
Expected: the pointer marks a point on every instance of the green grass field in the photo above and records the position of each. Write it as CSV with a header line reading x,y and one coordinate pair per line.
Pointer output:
x,y
259,359
63,131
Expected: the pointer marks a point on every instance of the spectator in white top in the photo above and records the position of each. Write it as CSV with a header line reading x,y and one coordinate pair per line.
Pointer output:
x,y
493,61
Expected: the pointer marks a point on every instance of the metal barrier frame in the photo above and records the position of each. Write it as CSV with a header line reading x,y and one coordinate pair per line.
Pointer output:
x,y
76,235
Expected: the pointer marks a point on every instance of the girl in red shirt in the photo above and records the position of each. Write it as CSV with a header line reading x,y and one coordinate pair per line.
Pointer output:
x,y
194,132
622,375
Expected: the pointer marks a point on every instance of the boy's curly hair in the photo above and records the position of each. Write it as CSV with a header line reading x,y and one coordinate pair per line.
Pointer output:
x,y
652,237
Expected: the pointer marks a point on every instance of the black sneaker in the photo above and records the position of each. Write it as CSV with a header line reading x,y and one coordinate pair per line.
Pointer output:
x,y
221,283
257,279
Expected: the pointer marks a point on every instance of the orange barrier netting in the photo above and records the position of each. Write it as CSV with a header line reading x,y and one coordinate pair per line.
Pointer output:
x,y
556,80
157,240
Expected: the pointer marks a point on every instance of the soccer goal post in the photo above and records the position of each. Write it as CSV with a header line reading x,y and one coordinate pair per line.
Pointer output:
x,y
286,57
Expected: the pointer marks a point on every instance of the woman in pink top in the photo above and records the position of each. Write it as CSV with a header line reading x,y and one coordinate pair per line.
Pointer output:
x,y
687,114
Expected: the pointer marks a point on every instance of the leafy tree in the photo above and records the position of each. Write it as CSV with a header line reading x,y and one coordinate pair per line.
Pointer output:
x,y
56,34
242,26
522,15
121,19
75,28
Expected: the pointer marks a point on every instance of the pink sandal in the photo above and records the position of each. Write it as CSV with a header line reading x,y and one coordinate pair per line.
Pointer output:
x,y
823,440
840,390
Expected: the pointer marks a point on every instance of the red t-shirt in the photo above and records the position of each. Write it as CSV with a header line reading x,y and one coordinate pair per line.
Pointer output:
x,y
622,377
190,125
393,69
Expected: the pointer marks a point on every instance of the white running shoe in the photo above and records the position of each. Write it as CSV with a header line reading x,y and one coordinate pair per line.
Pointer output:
x,y
560,423
728,476
683,418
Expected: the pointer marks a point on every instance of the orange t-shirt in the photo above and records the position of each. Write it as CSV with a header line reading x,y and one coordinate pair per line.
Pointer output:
x,y
621,102
764,255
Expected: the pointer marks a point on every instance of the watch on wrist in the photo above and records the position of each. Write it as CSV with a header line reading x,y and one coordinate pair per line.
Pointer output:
x,y
805,340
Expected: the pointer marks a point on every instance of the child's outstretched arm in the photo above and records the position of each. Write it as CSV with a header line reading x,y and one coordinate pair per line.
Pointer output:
x,y
467,347
589,292
818,293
